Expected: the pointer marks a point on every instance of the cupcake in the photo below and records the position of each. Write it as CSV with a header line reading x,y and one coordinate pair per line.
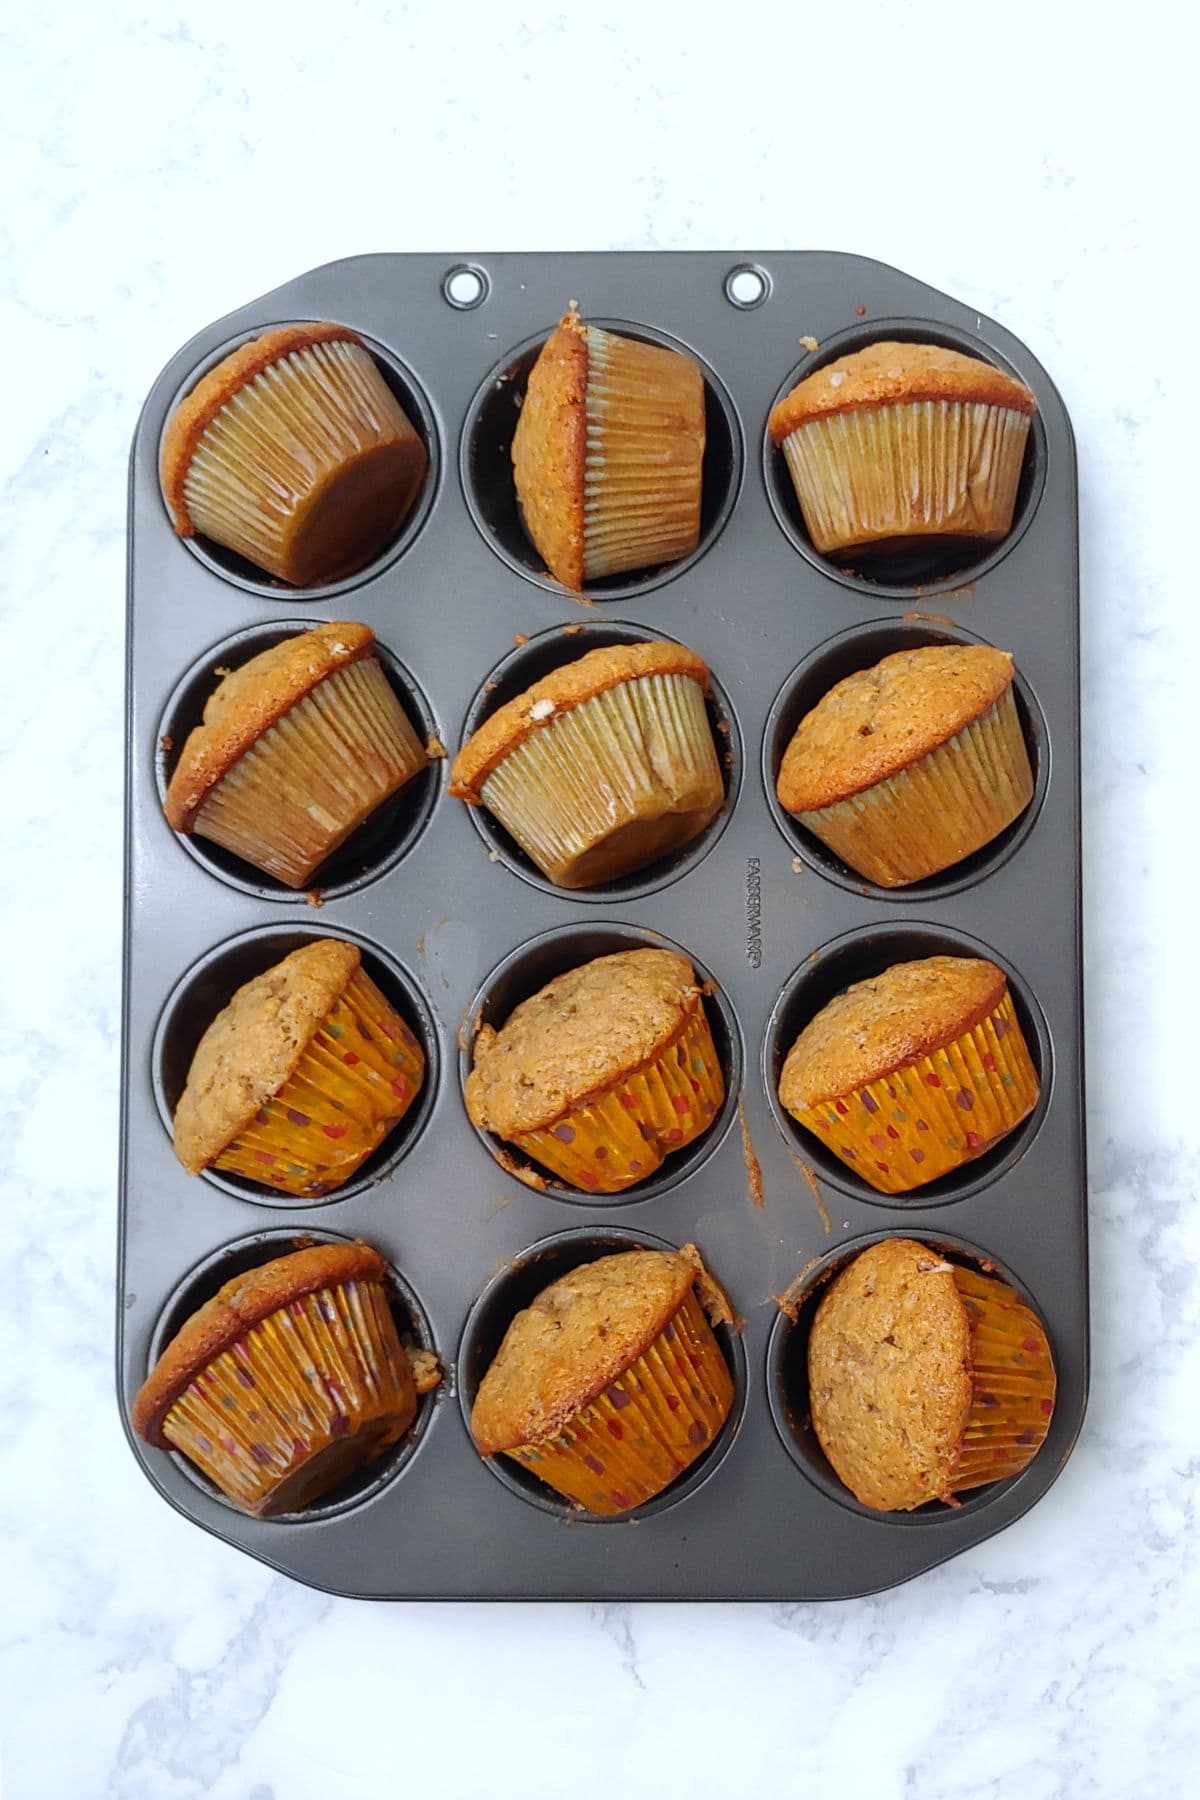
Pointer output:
x,y
294,452
904,441
912,1073
607,453
925,1379
611,1383
298,747
287,1381
604,1073
905,768
601,767
300,1077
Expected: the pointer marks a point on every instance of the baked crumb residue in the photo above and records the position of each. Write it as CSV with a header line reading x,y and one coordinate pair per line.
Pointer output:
x,y
815,1187
754,1174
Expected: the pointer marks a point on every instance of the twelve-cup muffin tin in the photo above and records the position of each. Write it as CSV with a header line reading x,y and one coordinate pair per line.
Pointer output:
x,y
456,925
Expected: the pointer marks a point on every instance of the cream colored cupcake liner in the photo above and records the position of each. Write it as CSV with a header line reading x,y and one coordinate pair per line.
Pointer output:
x,y
315,775
278,444
915,469
942,808
642,470
612,784
300,1401
643,1430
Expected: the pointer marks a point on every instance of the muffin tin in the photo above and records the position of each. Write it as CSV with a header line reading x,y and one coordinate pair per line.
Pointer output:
x,y
456,924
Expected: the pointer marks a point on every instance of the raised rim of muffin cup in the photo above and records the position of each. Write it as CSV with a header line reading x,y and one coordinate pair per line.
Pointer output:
x,y
861,647
853,956
200,1284
508,1293
380,842
786,1374
552,649
227,564
486,473
909,574
208,985
523,973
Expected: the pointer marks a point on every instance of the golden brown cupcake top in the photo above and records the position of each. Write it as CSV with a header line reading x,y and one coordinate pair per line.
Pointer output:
x,y
584,1031
578,1335
557,693
253,1045
890,1375
895,373
549,450
879,720
242,1303
249,701
197,410
886,1023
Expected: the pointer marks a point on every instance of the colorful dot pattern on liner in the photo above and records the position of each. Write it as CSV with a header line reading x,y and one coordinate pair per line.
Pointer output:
x,y
353,1084
1014,1382
625,1134
646,1427
921,1121
299,1402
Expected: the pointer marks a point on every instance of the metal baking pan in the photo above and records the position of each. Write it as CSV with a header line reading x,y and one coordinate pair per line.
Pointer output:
x,y
454,921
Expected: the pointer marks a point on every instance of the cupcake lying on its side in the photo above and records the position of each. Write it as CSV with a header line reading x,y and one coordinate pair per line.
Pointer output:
x,y
288,1380
294,452
611,1383
925,1379
908,767
904,441
914,1072
302,1075
607,454
297,749
604,1073
601,767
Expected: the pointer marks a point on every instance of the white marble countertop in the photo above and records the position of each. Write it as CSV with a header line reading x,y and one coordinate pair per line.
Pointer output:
x,y
163,168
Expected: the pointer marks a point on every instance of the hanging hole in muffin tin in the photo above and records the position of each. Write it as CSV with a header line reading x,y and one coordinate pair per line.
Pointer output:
x,y
465,286
528,663
855,957
412,1324
747,286
862,647
524,973
926,565
485,466
509,1293
787,1379
232,567
380,842
210,984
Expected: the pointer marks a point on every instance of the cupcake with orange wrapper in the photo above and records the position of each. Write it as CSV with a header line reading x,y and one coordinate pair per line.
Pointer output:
x,y
300,1077
906,768
296,750
604,1073
902,442
611,1383
926,1379
290,1379
911,1074
608,453
601,767
294,452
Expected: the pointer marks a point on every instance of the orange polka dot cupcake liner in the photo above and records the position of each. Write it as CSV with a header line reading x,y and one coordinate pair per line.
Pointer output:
x,y
923,1120
1013,1399
300,1401
626,1133
355,1081
646,1427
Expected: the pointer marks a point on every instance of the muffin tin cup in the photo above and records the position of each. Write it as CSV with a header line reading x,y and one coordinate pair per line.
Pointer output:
x,y
454,920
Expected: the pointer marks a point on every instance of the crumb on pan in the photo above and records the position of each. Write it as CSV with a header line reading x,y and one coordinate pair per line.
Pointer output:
x,y
810,343
427,1370
434,747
